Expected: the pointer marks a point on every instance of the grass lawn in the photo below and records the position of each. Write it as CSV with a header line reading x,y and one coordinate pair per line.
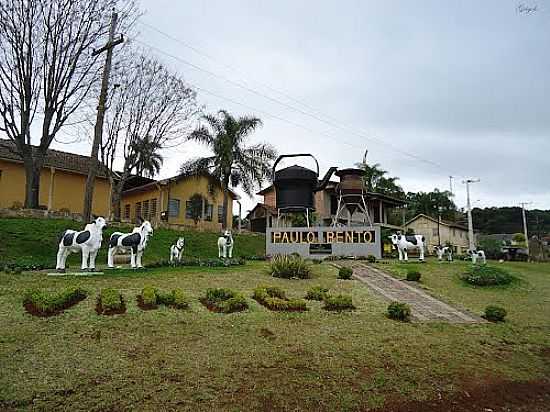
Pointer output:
x,y
35,241
167,359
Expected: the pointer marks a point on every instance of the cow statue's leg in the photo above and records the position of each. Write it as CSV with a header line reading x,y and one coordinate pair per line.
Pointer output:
x,y
85,255
139,255
400,252
421,253
405,255
230,251
110,257
60,265
474,258
133,257
220,251
93,255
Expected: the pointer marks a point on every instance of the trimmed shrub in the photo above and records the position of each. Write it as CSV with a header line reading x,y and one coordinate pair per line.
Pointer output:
x,y
288,267
371,259
43,303
149,296
338,302
181,301
274,298
224,300
317,293
413,275
345,273
165,298
495,313
484,275
110,302
399,311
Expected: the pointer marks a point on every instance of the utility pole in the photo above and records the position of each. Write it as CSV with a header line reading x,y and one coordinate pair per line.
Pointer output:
x,y
523,204
471,244
451,184
98,130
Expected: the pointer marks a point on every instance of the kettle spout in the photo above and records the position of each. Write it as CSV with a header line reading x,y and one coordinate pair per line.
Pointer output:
x,y
323,183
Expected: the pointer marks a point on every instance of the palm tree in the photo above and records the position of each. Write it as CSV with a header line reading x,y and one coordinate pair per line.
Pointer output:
x,y
232,163
146,157
376,181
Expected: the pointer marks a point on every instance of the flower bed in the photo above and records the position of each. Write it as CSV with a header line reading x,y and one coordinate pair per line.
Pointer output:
x,y
224,301
275,299
43,303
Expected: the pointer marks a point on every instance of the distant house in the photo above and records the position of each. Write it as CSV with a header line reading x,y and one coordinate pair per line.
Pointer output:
x,y
168,200
264,214
442,232
62,181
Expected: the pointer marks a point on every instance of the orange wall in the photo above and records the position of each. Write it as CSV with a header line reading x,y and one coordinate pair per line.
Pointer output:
x,y
68,189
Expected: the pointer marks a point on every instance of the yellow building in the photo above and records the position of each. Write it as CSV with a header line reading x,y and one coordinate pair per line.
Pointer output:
x,y
171,198
441,232
62,182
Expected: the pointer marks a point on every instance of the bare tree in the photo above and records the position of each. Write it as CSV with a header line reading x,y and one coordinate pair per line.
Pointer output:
x,y
152,107
47,70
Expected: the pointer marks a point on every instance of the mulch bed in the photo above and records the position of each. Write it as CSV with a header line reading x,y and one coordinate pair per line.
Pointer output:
x,y
500,396
33,310
143,306
100,311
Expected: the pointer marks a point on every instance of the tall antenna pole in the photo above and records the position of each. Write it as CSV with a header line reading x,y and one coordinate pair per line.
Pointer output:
x,y
471,242
101,107
451,185
523,204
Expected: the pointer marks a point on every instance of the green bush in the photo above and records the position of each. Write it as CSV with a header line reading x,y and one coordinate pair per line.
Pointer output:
x,y
165,298
287,267
274,298
345,273
224,300
149,296
111,300
181,301
47,303
338,302
413,275
495,313
317,293
371,259
399,311
484,275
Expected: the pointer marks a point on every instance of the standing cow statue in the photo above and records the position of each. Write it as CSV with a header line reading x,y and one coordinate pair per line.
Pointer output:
x,y
176,250
442,251
405,243
225,245
88,242
477,254
135,242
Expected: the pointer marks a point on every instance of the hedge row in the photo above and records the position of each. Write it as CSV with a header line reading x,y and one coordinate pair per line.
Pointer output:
x,y
336,303
275,299
44,303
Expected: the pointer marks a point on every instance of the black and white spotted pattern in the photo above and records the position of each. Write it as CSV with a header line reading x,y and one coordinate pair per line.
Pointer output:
x,y
134,242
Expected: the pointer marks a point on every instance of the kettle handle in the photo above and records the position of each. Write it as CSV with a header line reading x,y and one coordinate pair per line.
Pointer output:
x,y
294,155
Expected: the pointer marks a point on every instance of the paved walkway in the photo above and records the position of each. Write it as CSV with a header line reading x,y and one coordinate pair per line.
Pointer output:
x,y
424,308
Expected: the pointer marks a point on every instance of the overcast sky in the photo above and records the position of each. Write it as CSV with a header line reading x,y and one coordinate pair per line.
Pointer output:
x,y
463,84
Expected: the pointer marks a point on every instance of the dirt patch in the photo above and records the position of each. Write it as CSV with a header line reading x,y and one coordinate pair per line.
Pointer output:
x,y
266,333
503,396
33,310
109,312
143,306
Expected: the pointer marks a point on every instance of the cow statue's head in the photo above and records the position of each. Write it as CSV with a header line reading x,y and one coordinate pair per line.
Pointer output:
x,y
100,223
395,238
227,234
146,228
180,243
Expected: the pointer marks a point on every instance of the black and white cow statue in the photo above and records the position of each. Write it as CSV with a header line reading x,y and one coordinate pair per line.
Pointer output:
x,y
135,242
225,245
477,254
88,242
176,250
442,251
404,243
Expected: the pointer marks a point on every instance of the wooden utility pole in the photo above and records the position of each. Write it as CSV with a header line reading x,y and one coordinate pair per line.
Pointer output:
x,y
523,204
471,243
98,130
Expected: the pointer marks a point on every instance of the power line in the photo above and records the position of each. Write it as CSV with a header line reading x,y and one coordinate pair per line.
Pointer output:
x,y
277,101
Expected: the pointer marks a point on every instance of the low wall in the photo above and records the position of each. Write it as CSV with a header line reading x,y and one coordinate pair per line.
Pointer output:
x,y
40,214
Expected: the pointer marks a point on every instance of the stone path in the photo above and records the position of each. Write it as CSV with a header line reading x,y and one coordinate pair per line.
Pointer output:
x,y
424,308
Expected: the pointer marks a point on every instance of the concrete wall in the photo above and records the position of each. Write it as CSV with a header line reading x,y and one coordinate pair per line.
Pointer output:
x,y
59,189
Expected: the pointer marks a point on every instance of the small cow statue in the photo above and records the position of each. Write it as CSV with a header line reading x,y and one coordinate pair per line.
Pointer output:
x,y
88,242
225,245
176,250
441,251
136,242
403,243
477,254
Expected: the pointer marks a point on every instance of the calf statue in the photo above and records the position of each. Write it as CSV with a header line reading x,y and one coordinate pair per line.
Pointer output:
x,y
176,250
88,242
404,243
225,245
477,254
135,242
441,251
